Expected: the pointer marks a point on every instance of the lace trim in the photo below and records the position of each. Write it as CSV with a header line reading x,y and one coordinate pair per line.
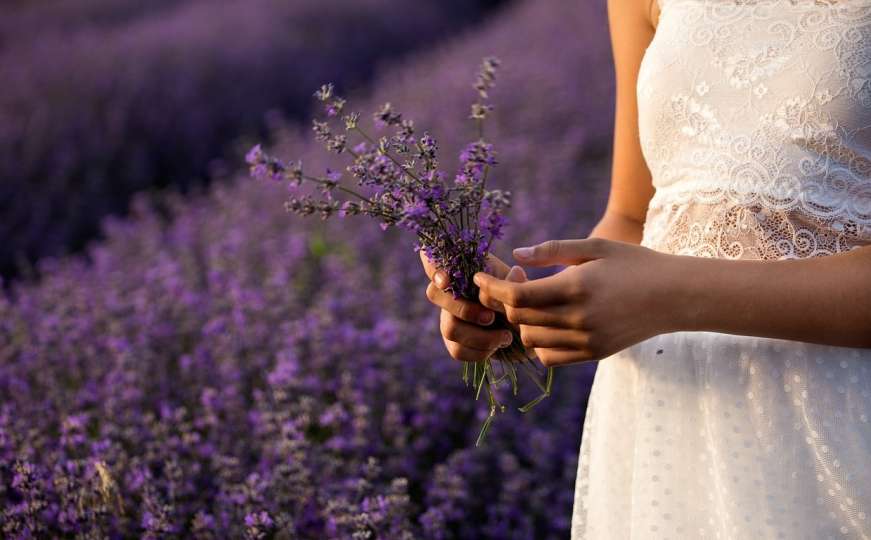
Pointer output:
x,y
748,230
820,3
835,198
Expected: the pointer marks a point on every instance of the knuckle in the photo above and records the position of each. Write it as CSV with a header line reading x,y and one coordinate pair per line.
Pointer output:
x,y
577,319
593,348
455,351
597,243
550,248
485,300
450,331
465,311
443,324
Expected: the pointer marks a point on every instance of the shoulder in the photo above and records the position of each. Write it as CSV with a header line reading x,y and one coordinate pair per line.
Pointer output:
x,y
653,9
622,11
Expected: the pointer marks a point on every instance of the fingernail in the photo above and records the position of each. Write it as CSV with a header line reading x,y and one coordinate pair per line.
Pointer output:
x,y
523,252
486,317
476,280
440,280
507,339
514,273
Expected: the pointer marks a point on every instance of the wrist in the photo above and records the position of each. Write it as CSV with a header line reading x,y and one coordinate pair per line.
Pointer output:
x,y
613,226
685,292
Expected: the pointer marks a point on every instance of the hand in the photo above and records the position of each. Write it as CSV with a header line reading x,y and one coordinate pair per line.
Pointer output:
x,y
613,295
463,322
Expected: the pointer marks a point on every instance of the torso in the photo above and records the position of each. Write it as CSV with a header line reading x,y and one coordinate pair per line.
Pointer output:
x,y
755,122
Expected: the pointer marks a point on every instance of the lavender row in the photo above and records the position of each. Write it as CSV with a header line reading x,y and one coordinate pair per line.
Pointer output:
x,y
121,98
59,16
234,372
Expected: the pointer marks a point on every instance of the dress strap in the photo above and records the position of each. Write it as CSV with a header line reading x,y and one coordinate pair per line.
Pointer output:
x,y
658,3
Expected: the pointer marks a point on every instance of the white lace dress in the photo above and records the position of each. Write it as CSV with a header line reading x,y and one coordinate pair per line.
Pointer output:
x,y
755,120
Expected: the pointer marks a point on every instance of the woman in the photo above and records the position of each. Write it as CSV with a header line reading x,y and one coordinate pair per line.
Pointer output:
x,y
727,287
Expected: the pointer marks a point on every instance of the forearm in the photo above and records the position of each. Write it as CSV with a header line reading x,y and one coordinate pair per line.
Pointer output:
x,y
614,226
818,300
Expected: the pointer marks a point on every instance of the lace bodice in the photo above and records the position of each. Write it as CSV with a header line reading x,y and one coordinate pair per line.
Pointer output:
x,y
755,121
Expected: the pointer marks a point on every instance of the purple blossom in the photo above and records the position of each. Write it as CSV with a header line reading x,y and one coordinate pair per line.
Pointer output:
x,y
258,525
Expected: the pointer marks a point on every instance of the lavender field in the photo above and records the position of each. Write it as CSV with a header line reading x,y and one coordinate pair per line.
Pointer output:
x,y
105,98
218,368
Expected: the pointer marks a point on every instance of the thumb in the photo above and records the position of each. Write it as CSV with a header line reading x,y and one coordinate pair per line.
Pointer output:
x,y
564,252
516,274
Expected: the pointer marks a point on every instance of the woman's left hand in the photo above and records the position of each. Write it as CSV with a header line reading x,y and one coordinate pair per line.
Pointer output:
x,y
611,296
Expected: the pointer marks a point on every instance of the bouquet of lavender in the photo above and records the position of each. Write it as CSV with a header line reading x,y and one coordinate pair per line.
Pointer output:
x,y
399,183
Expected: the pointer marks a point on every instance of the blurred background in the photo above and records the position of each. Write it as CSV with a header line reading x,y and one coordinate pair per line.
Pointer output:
x,y
106,98
179,357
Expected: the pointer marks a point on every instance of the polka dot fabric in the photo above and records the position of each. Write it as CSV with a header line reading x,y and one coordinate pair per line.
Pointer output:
x,y
708,435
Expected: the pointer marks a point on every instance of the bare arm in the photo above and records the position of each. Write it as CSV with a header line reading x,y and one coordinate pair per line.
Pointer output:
x,y
819,300
631,25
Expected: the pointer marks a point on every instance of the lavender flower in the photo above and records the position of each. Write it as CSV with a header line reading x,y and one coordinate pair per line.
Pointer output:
x,y
258,525
403,187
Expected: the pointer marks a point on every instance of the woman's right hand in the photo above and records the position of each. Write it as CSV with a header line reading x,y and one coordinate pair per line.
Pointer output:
x,y
464,323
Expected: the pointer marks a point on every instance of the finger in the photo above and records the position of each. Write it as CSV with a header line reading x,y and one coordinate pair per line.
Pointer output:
x,y
499,269
565,252
516,274
437,276
465,354
496,266
471,335
462,309
532,293
513,274
428,266
561,316
561,357
440,278
547,337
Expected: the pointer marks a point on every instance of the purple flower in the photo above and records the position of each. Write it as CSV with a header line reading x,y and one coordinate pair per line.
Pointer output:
x,y
255,155
258,525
